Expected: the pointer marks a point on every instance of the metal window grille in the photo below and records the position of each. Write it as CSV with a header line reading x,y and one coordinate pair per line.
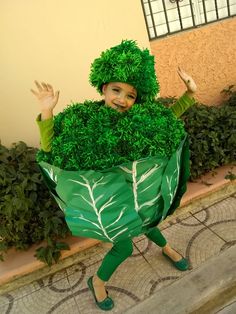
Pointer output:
x,y
165,17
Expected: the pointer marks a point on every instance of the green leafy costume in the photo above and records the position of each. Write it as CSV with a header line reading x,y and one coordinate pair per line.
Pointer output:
x,y
128,199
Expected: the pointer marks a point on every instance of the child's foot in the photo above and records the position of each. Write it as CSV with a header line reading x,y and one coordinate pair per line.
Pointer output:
x,y
176,259
105,304
99,289
171,253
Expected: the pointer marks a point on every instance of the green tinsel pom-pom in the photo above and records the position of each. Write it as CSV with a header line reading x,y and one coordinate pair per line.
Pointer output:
x,y
129,64
93,136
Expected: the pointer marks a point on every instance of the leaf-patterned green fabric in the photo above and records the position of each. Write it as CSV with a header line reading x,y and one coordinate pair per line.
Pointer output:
x,y
123,201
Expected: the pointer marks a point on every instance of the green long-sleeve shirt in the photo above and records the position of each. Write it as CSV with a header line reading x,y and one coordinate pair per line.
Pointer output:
x,y
47,132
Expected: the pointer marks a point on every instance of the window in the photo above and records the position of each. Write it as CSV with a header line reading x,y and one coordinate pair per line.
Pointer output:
x,y
164,17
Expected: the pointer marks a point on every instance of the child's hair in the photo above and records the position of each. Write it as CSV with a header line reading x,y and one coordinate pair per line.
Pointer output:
x,y
126,63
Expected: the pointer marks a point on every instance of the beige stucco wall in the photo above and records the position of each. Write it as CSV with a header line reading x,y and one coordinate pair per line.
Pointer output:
x,y
55,41
207,53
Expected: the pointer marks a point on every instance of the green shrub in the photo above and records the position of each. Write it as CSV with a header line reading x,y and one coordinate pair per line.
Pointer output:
x,y
28,214
212,133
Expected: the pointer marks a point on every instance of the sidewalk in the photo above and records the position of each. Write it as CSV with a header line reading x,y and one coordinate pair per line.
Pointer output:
x,y
211,288
206,235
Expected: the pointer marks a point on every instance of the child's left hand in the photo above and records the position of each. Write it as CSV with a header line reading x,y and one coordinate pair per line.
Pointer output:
x,y
188,81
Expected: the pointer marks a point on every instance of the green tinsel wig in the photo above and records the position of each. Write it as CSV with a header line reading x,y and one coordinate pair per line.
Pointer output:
x,y
126,63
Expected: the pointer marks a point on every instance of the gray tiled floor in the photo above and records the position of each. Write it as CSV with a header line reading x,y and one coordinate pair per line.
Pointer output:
x,y
199,236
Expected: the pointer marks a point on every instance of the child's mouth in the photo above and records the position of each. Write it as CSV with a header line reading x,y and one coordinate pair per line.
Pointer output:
x,y
119,107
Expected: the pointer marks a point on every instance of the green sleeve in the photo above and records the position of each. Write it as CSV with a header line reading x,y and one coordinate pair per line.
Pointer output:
x,y
182,104
46,133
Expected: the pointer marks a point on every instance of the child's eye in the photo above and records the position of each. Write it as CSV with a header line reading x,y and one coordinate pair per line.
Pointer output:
x,y
115,90
131,96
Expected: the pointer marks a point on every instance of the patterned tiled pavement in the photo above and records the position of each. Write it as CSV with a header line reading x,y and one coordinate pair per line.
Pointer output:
x,y
199,235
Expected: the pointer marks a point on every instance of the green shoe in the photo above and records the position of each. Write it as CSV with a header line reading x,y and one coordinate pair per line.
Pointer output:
x,y
182,264
107,304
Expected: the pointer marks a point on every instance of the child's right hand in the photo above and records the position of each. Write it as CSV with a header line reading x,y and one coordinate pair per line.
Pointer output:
x,y
46,97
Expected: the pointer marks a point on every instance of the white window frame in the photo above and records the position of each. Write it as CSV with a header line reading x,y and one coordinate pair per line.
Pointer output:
x,y
165,17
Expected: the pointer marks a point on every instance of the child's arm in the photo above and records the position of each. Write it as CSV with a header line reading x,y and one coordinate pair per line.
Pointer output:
x,y
47,100
187,100
46,130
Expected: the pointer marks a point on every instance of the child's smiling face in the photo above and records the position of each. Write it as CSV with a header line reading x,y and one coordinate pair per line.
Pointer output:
x,y
119,96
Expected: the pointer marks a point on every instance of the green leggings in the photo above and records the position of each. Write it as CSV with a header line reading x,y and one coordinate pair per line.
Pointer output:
x,y
122,250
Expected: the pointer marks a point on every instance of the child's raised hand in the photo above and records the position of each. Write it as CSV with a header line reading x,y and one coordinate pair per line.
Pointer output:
x,y
46,96
188,81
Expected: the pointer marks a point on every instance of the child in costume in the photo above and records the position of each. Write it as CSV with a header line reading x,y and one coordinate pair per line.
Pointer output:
x,y
124,75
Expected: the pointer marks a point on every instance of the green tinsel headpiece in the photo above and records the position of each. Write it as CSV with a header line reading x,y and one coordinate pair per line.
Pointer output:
x,y
126,63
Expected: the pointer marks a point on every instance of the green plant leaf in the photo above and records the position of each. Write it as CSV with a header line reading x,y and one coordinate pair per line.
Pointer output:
x,y
230,176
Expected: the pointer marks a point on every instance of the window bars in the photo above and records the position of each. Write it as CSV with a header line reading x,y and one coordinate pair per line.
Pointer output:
x,y
165,17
